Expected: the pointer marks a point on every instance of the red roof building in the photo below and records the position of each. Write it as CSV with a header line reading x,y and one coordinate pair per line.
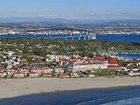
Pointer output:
x,y
100,58
113,63
70,60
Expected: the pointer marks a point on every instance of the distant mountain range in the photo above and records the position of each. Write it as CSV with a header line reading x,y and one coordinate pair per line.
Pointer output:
x,y
67,21
21,20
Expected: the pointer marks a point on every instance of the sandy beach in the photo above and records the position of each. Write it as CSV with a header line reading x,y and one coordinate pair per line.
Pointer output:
x,y
19,87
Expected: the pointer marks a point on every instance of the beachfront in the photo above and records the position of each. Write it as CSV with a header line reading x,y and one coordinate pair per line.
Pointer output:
x,y
19,87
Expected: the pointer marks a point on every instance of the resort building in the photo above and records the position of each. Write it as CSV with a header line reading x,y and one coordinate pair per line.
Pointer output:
x,y
113,63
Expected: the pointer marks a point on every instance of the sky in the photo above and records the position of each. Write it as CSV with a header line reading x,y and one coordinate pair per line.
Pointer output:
x,y
71,9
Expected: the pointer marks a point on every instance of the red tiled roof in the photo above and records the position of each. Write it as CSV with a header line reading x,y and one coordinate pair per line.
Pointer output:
x,y
71,60
100,58
2,72
19,72
34,72
112,61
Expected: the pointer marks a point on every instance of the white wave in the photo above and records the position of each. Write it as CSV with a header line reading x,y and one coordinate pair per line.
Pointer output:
x,y
84,103
91,101
132,101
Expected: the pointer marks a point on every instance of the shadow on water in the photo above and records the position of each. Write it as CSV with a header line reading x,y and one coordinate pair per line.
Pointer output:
x,y
82,97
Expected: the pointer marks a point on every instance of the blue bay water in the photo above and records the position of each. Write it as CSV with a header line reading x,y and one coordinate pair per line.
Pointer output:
x,y
69,37
111,38
119,38
129,56
110,96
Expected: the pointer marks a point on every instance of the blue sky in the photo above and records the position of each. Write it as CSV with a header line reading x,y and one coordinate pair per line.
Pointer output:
x,y
71,9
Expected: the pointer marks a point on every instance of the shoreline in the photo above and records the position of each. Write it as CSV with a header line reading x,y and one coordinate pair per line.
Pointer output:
x,y
68,91
12,88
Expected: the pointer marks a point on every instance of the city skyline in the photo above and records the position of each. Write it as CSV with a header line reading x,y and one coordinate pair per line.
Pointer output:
x,y
72,9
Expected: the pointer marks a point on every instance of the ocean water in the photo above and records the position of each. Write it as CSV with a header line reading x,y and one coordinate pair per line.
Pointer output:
x,y
110,96
129,56
131,101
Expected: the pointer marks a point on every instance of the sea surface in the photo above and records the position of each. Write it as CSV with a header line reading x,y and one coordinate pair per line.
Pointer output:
x,y
108,96
68,37
119,38
111,38
130,56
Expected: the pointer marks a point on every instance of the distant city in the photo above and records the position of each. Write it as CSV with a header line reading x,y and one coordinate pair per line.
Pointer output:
x,y
70,27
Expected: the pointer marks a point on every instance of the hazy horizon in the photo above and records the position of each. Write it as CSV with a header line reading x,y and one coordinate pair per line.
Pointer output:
x,y
71,9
